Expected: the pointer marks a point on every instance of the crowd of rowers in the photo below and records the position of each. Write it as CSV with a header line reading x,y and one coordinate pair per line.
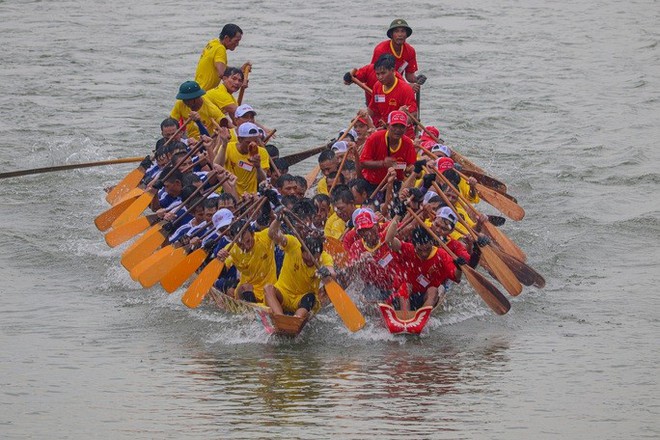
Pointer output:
x,y
372,176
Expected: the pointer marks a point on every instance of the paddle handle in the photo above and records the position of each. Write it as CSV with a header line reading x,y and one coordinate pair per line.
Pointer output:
x,y
70,167
246,74
361,85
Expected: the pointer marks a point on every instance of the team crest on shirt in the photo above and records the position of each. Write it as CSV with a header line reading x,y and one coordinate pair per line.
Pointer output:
x,y
392,103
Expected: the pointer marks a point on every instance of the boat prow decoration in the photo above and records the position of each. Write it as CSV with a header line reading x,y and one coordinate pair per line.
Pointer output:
x,y
398,321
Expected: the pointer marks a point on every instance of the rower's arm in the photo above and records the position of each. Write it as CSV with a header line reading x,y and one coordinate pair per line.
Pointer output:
x,y
390,236
220,68
275,233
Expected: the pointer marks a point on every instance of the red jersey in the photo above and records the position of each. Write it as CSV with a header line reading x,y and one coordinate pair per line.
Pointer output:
x,y
367,75
406,61
376,148
385,272
383,102
458,248
432,272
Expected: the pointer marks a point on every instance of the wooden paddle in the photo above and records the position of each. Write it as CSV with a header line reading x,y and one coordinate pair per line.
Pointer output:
x,y
246,72
346,308
156,236
173,279
361,85
499,237
142,202
133,179
125,232
486,290
498,268
293,159
466,163
488,181
69,167
339,170
204,281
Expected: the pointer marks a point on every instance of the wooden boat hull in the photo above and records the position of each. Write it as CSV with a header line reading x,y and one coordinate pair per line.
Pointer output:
x,y
273,324
399,322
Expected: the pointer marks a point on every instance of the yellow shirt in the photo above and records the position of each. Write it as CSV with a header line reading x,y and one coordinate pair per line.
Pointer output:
x,y
257,267
206,74
297,278
322,186
334,226
207,113
220,97
464,188
239,165
459,230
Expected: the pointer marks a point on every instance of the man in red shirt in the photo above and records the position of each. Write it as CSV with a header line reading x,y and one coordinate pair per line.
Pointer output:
x,y
390,94
376,264
403,53
427,268
367,75
388,148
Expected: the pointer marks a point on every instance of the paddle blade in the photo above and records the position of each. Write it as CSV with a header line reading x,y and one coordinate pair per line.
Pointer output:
x,y
346,308
466,163
487,291
502,203
504,242
525,274
336,249
132,194
134,211
151,260
127,231
127,183
157,271
202,284
143,247
104,220
179,274
501,271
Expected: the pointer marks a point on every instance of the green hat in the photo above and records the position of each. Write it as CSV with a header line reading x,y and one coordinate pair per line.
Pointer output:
x,y
189,90
399,22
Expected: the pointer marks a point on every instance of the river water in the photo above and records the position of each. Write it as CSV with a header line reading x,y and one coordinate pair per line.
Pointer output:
x,y
558,99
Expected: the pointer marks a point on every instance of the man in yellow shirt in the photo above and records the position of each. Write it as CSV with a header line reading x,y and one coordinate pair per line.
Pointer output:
x,y
245,158
222,96
192,103
254,257
296,288
213,61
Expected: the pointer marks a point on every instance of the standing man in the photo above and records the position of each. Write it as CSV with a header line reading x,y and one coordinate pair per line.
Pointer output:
x,y
390,93
404,53
213,61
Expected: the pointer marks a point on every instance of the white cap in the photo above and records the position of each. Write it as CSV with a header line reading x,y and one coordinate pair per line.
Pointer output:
x,y
248,129
352,133
448,214
222,218
241,110
362,210
439,148
339,147
428,196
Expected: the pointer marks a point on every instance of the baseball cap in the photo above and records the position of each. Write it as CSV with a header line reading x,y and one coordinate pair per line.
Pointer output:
x,y
364,218
444,163
397,117
222,218
439,148
248,129
339,147
433,130
241,110
448,214
352,133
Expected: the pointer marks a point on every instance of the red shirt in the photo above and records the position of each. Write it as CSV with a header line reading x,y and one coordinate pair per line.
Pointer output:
x,y
367,75
385,272
405,62
459,249
432,272
376,148
383,102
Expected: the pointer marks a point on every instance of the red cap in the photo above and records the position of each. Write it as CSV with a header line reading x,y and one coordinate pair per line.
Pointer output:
x,y
397,117
432,130
445,163
363,120
364,221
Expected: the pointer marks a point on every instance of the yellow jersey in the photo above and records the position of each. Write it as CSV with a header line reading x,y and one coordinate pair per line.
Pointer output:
x,y
334,226
220,97
322,186
296,278
207,113
206,74
257,267
239,165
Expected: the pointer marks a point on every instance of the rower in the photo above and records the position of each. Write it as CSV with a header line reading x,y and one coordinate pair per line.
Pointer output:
x,y
327,163
298,283
213,61
390,94
400,50
222,96
191,103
